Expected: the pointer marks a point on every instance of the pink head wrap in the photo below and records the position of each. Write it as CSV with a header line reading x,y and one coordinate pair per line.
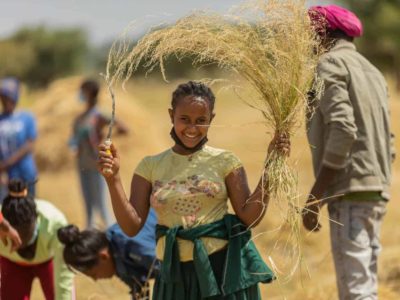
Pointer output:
x,y
332,17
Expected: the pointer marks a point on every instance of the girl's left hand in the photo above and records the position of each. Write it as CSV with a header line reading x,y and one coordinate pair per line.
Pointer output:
x,y
280,143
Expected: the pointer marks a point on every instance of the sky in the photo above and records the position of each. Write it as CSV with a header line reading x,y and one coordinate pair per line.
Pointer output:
x,y
104,20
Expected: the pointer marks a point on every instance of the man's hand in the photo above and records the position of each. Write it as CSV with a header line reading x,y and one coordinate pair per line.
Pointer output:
x,y
310,215
313,206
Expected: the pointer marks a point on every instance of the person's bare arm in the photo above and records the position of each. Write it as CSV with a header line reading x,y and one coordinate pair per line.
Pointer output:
x,y
314,203
8,232
130,214
17,155
251,207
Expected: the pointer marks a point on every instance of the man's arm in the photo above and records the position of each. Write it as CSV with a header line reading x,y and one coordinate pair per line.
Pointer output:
x,y
338,115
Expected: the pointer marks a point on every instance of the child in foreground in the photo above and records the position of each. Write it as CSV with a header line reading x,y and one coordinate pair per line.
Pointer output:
x,y
206,253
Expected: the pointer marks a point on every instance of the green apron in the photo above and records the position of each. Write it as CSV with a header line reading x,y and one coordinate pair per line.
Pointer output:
x,y
242,266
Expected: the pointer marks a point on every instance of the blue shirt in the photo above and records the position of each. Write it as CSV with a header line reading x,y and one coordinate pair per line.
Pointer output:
x,y
15,130
134,256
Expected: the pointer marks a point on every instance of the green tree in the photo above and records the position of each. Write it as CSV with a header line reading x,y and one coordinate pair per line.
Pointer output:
x,y
40,55
381,40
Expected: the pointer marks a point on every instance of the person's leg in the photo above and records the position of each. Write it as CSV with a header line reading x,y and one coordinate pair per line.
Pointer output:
x,y
16,281
352,248
99,194
84,177
45,273
379,213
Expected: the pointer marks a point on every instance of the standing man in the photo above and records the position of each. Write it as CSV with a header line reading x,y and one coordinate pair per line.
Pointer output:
x,y
17,137
350,140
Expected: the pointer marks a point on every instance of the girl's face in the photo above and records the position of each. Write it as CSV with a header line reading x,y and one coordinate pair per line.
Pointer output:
x,y
105,268
191,119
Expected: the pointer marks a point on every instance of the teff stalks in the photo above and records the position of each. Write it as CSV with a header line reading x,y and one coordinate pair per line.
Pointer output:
x,y
268,43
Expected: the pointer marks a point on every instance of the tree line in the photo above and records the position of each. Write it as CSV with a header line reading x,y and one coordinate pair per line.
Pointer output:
x,y
39,55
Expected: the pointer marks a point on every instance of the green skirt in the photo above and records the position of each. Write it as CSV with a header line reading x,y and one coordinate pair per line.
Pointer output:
x,y
189,289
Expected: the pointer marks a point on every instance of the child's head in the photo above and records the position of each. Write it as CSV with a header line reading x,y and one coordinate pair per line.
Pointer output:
x,y
9,94
87,251
19,209
89,91
192,112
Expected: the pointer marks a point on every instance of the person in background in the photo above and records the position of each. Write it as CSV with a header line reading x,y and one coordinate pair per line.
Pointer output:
x,y
350,140
87,134
17,137
39,254
99,254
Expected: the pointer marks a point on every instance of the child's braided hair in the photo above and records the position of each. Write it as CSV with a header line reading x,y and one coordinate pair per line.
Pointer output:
x,y
18,207
193,88
81,251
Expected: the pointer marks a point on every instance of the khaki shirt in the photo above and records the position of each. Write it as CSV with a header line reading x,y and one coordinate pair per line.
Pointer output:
x,y
349,129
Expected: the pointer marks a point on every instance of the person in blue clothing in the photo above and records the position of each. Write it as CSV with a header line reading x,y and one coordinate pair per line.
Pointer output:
x,y
101,255
17,137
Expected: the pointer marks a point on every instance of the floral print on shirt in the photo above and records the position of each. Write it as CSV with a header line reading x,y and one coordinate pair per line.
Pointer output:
x,y
186,196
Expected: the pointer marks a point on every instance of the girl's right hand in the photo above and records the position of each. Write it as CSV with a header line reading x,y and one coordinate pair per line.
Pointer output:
x,y
108,161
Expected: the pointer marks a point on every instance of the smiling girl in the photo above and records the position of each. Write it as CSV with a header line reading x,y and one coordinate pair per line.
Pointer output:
x,y
206,253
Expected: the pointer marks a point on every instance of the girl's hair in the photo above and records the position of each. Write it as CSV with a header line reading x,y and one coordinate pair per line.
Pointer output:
x,y
193,88
18,207
82,247
91,86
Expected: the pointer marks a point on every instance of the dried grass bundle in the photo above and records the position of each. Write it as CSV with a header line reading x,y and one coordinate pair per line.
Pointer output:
x,y
268,43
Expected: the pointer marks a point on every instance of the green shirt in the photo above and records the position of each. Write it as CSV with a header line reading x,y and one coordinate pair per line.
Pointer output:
x,y
49,220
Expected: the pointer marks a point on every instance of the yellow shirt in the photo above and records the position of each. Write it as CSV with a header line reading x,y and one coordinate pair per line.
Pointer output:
x,y
189,190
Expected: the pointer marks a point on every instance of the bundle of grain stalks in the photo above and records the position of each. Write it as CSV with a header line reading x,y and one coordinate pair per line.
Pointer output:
x,y
270,44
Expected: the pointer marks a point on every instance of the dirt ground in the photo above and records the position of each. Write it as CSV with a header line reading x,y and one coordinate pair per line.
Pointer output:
x,y
143,107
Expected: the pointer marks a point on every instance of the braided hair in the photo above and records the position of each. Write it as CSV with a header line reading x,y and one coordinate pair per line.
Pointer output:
x,y
18,207
82,247
193,88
